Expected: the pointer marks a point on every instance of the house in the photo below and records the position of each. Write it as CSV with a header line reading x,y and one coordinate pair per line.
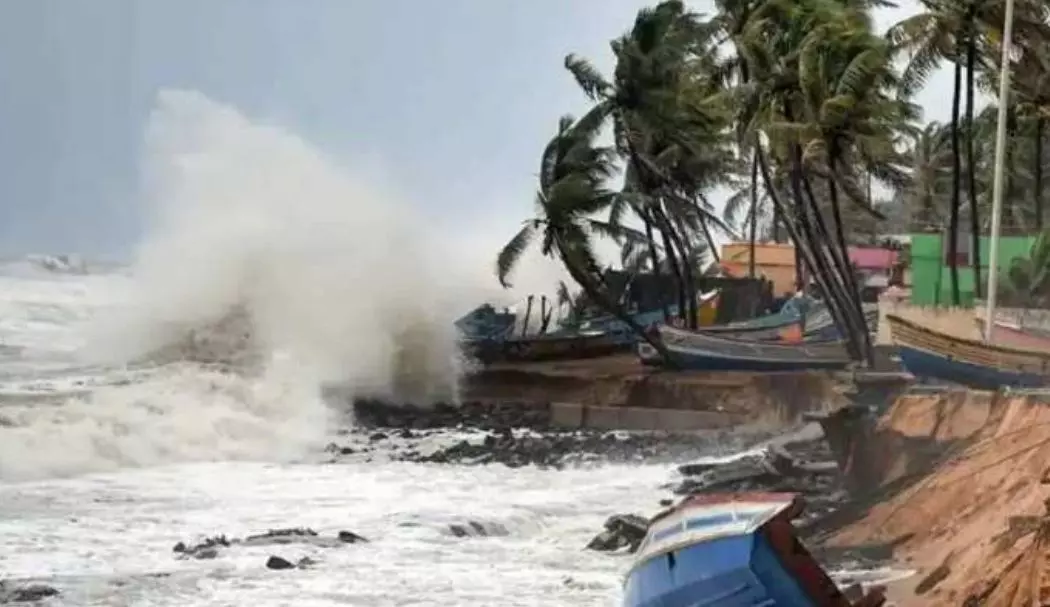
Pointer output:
x,y
931,269
773,261
776,262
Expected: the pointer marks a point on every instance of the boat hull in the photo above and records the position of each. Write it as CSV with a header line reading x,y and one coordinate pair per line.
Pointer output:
x,y
926,353
702,352
740,571
730,550
548,348
922,363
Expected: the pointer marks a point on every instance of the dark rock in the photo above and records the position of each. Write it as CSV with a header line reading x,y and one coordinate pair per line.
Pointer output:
x,y
278,563
204,550
26,594
621,531
377,437
478,529
349,537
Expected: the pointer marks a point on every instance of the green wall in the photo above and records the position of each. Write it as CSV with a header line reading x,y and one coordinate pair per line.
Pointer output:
x,y
929,275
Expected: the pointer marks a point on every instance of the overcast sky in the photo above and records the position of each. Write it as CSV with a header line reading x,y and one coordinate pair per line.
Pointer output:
x,y
453,98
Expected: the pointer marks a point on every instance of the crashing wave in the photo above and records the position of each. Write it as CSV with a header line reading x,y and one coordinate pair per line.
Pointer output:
x,y
228,343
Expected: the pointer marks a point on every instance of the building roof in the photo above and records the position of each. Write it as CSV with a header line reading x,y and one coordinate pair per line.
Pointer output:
x,y
872,258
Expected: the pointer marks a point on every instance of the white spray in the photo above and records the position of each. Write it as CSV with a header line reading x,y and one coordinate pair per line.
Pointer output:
x,y
339,281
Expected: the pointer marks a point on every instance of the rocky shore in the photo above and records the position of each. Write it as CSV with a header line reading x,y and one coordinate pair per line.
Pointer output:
x,y
516,434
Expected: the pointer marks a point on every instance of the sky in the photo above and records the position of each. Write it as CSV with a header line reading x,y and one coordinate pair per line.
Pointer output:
x,y
450,102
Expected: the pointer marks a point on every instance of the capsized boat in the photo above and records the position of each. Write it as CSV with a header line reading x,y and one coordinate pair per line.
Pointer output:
x,y
731,550
927,353
703,352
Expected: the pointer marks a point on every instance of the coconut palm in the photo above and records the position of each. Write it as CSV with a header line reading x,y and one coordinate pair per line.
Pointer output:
x,y
573,176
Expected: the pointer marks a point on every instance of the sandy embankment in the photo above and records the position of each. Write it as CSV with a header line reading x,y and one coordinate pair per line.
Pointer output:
x,y
971,463
618,391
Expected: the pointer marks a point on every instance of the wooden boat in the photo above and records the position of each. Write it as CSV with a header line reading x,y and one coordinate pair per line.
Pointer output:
x,y
933,354
555,346
706,305
700,351
1013,335
731,550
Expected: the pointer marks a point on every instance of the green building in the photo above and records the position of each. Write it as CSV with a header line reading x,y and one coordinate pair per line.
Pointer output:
x,y
931,281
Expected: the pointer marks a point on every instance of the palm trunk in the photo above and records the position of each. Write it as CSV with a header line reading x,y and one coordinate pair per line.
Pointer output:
x,y
1037,172
546,311
597,295
971,164
808,256
858,307
654,259
528,314
754,215
953,222
686,248
676,270
836,267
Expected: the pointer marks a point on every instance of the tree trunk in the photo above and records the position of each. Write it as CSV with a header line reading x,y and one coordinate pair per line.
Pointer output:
x,y
843,293
971,164
528,314
686,248
754,215
858,307
953,222
654,258
676,268
1037,171
808,256
600,298
546,312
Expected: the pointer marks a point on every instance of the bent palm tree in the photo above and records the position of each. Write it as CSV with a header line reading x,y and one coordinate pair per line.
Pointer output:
x,y
573,177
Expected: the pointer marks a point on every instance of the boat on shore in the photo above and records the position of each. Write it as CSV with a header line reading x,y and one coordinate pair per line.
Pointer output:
x,y
927,353
700,351
1013,335
731,550
554,346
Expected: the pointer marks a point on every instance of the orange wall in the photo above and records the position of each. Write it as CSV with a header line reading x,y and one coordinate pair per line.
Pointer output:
x,y
776,262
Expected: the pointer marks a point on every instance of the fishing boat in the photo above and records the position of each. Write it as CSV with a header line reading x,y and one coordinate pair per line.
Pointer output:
x,y
1014,335
554,346
731,550
702,352
927,353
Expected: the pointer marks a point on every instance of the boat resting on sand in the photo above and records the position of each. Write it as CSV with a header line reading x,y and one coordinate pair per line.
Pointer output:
x,y
702,352
731,550
927,353
555,346
1013,335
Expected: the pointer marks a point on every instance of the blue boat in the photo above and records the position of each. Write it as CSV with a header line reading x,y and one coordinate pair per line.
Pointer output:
x,y
930,354
731,550
699,351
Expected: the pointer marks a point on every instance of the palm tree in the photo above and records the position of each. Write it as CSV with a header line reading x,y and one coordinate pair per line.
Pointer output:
x,y
574,173
668,119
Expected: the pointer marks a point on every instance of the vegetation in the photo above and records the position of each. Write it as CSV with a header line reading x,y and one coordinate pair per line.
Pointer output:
x,y
802,111
1027,283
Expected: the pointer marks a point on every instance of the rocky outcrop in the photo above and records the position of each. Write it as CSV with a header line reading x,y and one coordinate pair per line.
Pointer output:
x,y
29,593
210,548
